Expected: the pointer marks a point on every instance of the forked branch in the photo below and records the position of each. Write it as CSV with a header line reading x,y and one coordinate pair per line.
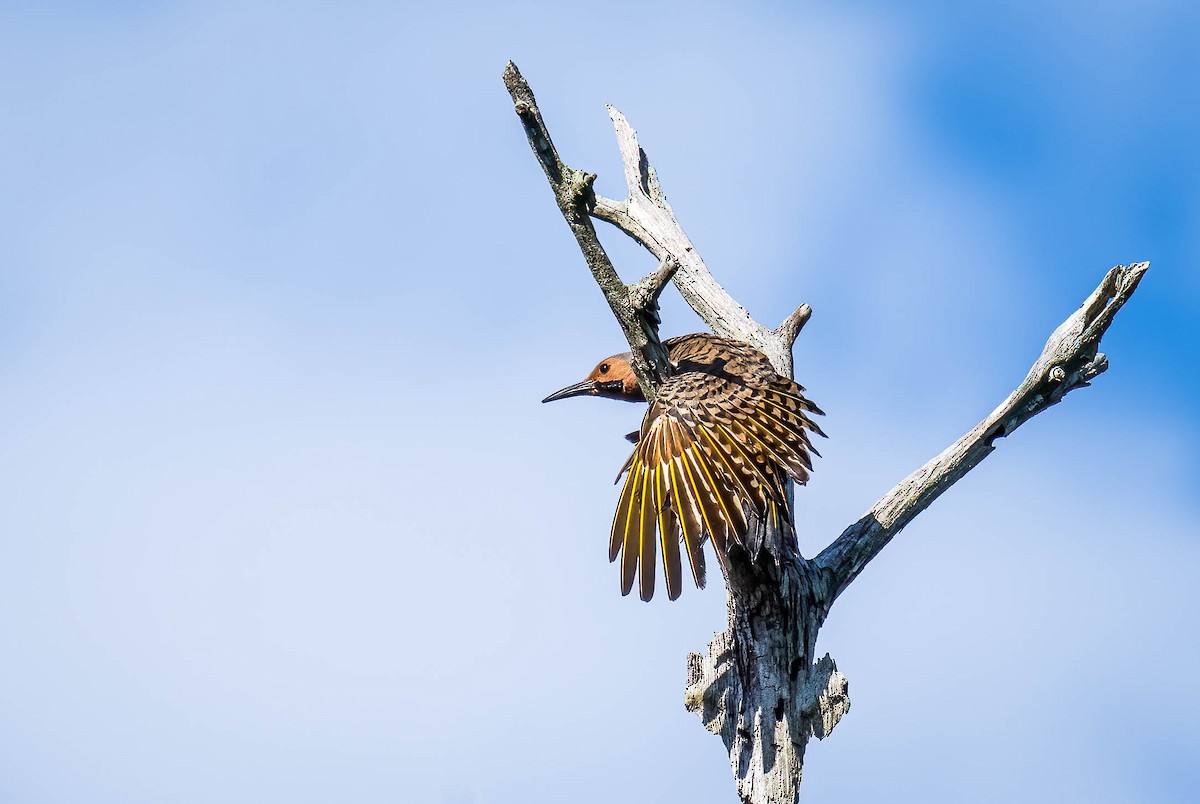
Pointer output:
x,y
634,306
646,217
1069,360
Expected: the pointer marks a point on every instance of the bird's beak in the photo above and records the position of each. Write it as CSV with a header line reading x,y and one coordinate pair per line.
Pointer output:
x,y
578,389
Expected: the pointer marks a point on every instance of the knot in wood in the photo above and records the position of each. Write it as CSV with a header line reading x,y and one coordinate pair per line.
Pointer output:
x,y
575,193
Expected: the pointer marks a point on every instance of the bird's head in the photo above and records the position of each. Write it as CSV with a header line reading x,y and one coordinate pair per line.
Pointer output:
x,y
613,378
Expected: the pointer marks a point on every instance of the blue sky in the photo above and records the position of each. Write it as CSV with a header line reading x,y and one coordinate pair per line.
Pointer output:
x,y
280,289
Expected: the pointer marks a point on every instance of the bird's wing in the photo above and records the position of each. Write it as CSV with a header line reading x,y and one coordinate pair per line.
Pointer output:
x,y
711,458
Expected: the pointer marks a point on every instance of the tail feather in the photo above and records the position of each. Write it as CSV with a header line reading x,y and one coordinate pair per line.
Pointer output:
x,y
646,537
668,532
716,521
689,520
624,515
733,489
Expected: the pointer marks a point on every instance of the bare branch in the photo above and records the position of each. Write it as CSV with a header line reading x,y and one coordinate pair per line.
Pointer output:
x,y
1068,361
647,218
644,293
573,192
791,326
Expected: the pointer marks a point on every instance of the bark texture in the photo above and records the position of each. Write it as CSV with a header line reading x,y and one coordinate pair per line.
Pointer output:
x,y
760,685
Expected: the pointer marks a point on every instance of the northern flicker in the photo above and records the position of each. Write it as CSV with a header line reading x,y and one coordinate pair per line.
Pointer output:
x,y
712,458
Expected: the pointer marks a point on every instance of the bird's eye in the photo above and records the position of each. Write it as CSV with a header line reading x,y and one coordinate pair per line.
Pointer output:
x,y
603,368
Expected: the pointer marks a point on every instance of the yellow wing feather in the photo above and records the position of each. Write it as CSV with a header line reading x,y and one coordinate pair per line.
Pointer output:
x,y
715,452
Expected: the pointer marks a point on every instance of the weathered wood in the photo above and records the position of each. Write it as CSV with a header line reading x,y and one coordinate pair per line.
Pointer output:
x,y
760,685
634,306
1069,360
646,216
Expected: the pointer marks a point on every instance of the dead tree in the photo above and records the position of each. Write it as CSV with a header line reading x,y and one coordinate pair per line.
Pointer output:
x,y
760,685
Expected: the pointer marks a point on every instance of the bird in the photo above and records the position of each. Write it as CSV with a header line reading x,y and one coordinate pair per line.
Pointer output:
x,y
711,459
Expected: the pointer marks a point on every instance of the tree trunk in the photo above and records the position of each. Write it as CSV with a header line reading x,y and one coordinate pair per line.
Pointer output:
x,y
758,686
